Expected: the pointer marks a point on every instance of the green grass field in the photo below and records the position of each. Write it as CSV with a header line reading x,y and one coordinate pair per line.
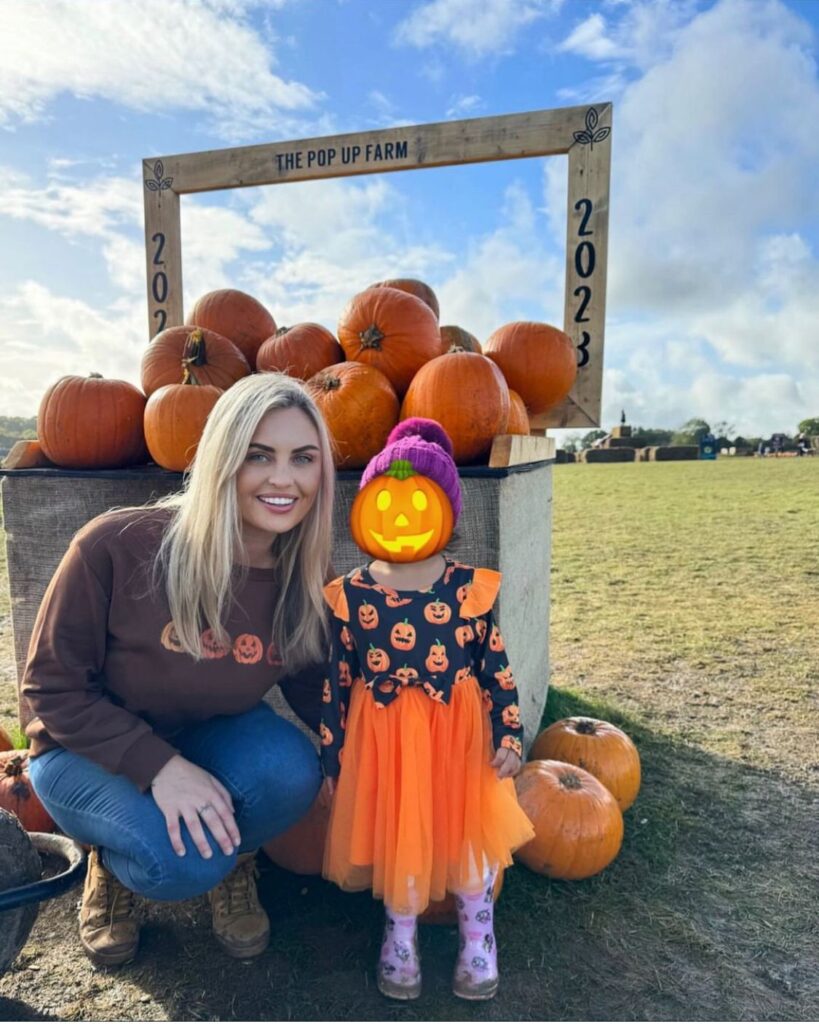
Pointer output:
x,y
684,608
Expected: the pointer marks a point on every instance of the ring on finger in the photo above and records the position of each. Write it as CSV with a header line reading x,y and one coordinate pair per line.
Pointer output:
x,y
204,807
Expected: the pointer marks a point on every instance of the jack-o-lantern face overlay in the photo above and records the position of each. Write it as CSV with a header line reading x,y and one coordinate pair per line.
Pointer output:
x,y
401,516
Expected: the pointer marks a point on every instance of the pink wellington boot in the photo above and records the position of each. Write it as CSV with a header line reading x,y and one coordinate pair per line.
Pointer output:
x,y
399,969
476,969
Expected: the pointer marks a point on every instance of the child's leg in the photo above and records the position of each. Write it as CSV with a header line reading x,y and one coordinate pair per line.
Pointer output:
x,y
476,970
399,969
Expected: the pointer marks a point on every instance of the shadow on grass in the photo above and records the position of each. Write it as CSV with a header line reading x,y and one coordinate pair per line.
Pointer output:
x,y
702,916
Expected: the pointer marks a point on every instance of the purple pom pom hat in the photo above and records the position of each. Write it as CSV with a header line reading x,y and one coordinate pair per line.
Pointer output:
x,y
426,446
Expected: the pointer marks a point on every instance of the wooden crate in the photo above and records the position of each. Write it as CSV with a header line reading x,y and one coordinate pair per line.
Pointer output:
x,y
505,525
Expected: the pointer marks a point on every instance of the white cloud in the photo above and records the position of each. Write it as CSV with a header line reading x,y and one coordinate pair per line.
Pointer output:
x,y
151,56
461,106
477,27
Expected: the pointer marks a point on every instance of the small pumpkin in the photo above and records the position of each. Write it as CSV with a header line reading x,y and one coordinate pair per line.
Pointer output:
x,y
518,422
367,615
457,337
301,351
537,360
464,635
360,408
437,612
169,638
345,676
437,660
496,640
211,648
247,649
390,330
466,393
5,740
301,848
402,636
578,825
412,286
175,416
597,746
236,316
405,675
505,679
377,659
17,794
401,516
181,354
92,423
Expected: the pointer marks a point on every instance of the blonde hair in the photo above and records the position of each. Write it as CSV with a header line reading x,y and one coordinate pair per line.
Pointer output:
x,y
196,559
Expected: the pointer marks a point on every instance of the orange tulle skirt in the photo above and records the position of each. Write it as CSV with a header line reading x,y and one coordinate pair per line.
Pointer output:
x,y
418,811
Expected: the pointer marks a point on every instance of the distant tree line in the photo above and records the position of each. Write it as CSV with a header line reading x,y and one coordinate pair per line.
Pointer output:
x,y
16,428
691,432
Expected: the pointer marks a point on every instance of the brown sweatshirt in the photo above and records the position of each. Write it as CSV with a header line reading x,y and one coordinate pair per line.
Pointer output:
x,y
105,675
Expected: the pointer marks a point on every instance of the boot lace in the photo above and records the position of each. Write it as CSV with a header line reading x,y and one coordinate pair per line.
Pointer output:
x,y
239,889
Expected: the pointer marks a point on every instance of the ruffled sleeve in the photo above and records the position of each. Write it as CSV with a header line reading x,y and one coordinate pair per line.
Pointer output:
x,y
335,596
482,593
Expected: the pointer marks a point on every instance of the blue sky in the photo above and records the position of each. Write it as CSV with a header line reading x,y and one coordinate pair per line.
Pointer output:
x,y
713,296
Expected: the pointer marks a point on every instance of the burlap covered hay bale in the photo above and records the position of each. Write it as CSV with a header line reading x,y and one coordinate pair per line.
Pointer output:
x,y
674,452
607,455
619,442
644,454
562,456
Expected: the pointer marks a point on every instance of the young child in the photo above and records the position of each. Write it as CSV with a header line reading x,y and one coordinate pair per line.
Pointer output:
x,y
421,721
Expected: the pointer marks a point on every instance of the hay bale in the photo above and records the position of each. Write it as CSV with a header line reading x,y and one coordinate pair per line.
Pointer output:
x,y
674,452
644,454
562,456
618,442
607,455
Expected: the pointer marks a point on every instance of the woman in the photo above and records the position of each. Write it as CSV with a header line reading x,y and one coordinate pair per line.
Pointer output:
x,y
157,638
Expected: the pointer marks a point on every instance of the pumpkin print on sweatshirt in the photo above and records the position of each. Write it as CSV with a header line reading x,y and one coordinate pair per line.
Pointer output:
x,y
247,649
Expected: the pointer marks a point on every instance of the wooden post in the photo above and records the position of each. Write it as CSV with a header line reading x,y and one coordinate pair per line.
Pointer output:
x,y
582,132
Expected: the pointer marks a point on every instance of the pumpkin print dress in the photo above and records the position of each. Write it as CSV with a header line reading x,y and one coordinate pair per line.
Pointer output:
x,y
419,694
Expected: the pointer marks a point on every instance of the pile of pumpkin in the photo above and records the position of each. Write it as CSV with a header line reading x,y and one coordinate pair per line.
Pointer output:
x,y
16,794
391,360
582,773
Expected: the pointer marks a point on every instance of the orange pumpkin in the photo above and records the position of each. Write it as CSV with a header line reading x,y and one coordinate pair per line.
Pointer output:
x,y
496,640
247,649
175,417
17,795
405,675
237,316
600,748
211,646
360,408
402,636
578,825
401,516
412,286
446,913
377,659
457,337
181,354
466,393
300,351
537,360
92,423
301,848
390,330
326,735
5,740
437,661
518,422
272,656
505,679
463,635
368,615
437,612
170,639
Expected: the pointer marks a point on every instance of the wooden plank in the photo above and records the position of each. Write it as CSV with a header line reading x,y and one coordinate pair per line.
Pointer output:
x,y
567,414
163,247
474,140
515,449
26,455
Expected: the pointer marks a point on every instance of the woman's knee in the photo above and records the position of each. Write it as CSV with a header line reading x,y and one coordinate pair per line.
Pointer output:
x,y
169,877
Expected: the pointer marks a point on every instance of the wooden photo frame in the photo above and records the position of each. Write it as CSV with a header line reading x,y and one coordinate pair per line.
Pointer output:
x,y
583,133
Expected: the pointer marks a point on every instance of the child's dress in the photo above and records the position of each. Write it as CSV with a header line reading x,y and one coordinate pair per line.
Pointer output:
x,y
419,692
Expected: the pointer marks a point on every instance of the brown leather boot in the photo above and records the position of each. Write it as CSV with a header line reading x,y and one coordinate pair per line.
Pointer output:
x,y
240,924
109,931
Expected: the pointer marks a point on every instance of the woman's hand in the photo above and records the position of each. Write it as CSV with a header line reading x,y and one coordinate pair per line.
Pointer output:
x,y
182,789
506,762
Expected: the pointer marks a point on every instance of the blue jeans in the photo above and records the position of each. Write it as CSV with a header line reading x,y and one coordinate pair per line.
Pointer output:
x,y
268,766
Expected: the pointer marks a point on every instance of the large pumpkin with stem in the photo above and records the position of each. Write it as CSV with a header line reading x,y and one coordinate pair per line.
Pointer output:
x,y
17,795
578,825
599,747
180,353
466,393
175,417
360,408
390,330
412,286
236,316
300,351
457,337
537,360
92,423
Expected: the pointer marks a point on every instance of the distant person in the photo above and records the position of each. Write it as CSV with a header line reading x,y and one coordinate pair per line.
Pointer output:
x,y
802,447
160,633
